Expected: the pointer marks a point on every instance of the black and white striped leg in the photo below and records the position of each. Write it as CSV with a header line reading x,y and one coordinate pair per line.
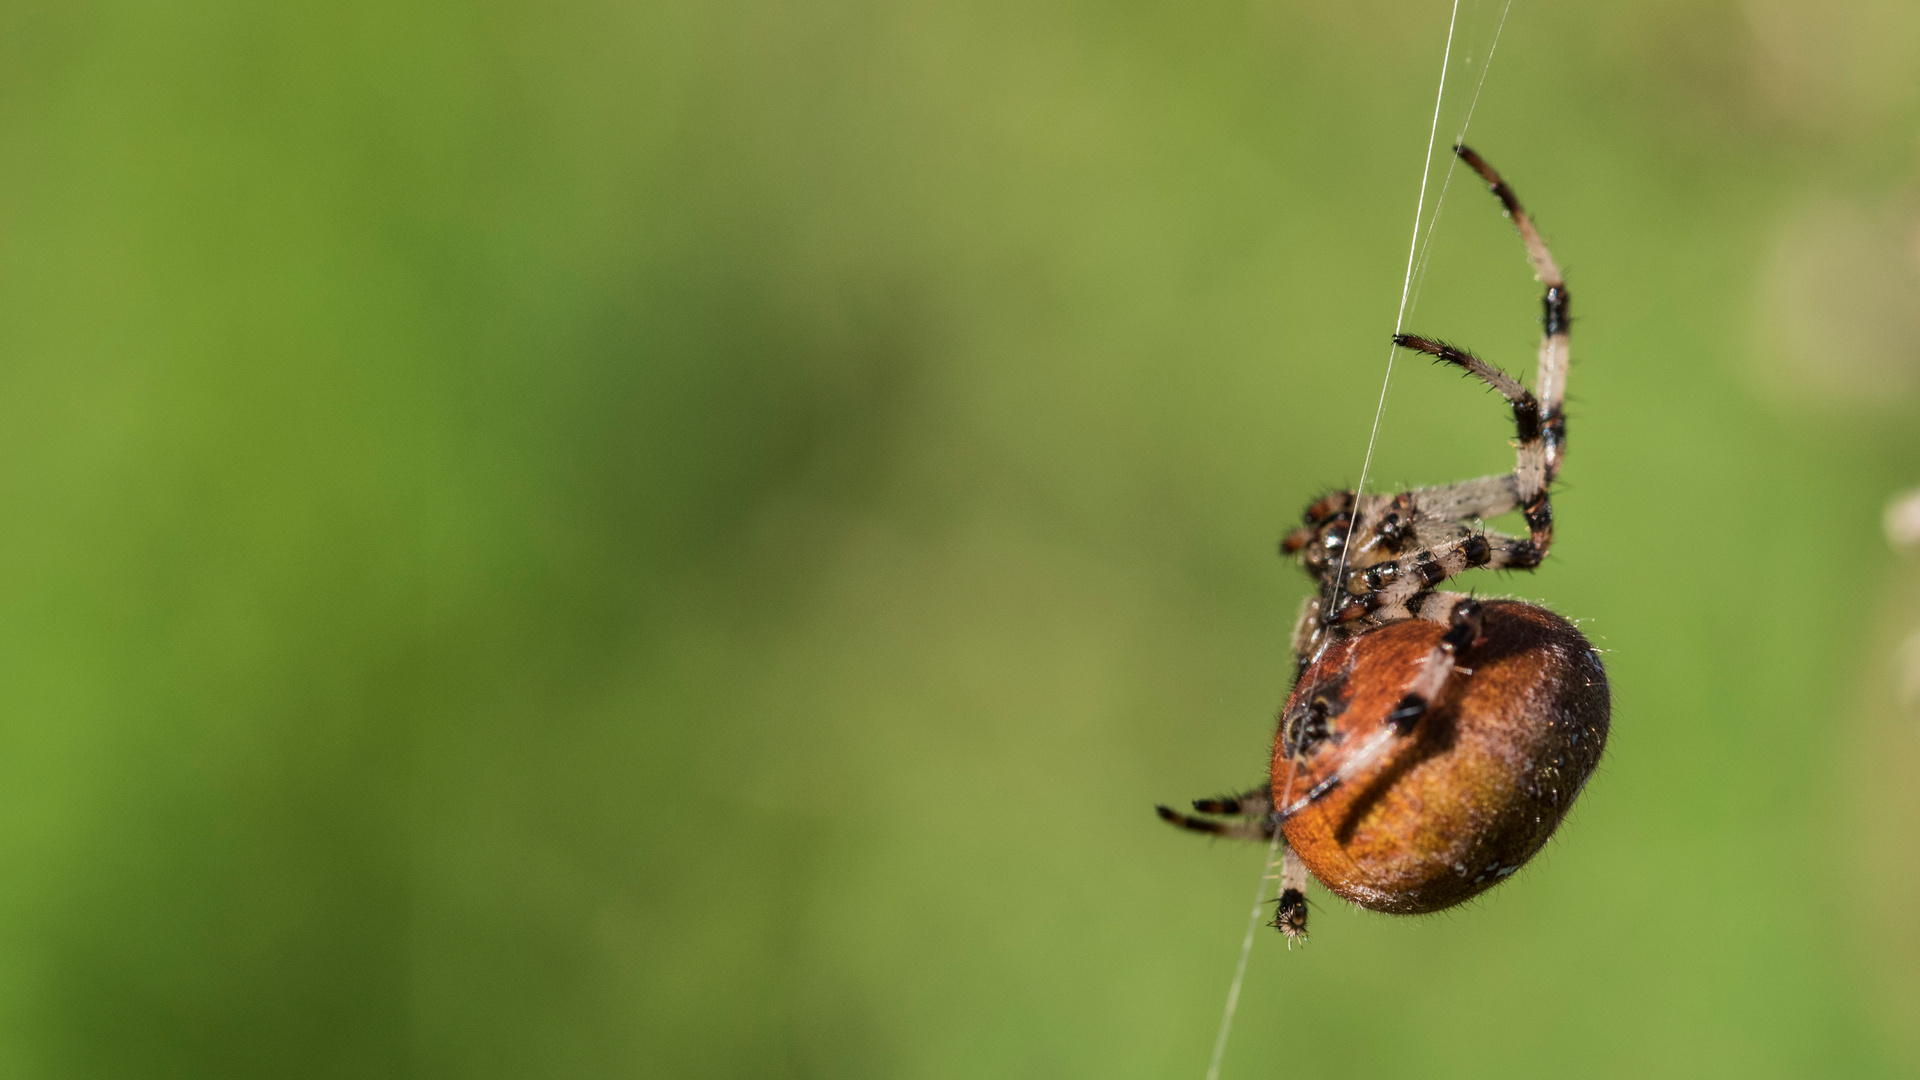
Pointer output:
x,y
1252,803
1550,384
1463,628
1390,591
1439,606
1530,476
1253,808
1231,830
1290,918
1372,537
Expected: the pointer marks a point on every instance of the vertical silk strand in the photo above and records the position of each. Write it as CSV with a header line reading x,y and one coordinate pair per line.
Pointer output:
x,y
1416,254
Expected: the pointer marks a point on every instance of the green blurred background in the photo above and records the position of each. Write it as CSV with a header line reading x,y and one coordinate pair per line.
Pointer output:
x,y
684,539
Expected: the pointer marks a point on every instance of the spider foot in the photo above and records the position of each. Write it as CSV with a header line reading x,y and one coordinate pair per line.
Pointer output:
x,y
1291,916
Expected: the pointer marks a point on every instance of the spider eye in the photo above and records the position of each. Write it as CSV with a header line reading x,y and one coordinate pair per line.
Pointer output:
x,y
1335,538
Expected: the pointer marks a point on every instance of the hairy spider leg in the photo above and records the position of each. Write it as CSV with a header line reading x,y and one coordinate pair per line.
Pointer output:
x,y
1256,806
1392,591
1387,588
1463,627
1290,918
1254,802
1395,548
1261,829
1550,382
1384,582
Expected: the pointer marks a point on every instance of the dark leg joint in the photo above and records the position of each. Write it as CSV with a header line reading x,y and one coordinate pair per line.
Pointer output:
x,y
1477,551
1525,555
1556,441
1407,713
1291,917
1464,628
1430,571
1539,513
1393,534
1379,577
1555,305
1556,426
1526,419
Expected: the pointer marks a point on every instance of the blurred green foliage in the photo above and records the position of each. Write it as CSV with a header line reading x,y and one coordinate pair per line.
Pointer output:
x,y
684,539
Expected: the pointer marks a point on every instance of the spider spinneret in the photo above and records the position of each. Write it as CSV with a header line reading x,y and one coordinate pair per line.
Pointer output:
x,y
1433,741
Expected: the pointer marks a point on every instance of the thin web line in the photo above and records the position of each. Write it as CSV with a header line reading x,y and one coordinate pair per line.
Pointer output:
x,y
1246,950
1406,286
1246,942
1446,182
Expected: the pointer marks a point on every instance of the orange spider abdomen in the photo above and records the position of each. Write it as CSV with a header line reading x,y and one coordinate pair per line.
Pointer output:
x,y
1476,788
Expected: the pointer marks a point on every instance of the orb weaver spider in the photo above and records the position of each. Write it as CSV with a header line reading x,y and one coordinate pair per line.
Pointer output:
x,y
1433,740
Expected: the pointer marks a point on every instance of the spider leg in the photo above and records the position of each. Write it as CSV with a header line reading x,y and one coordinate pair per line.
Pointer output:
x,y
1305,629
1463,628
1290,918
1436,670
1377,559
1347,534
1253,803
1401,588
1508,386
1249,829
1489,496
1550,383
1439,606
1330,515
1255,806
1530,477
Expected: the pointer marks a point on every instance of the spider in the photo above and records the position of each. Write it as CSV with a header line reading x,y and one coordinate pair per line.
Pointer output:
x,y
1433,740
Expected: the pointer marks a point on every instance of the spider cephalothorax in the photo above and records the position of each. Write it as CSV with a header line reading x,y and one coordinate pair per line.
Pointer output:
x,y
1433,741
